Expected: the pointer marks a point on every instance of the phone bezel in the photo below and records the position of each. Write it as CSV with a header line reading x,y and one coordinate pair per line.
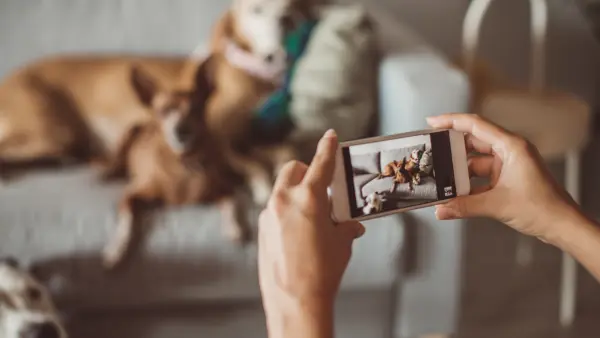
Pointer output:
x,y
340,206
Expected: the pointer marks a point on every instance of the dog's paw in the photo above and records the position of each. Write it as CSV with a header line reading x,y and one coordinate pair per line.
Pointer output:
x,y
114,253
110,259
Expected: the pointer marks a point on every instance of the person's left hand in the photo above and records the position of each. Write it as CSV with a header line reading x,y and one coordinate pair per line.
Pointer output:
x,y
302,253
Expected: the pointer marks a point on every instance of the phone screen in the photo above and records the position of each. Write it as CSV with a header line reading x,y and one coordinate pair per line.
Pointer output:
x,y
399,173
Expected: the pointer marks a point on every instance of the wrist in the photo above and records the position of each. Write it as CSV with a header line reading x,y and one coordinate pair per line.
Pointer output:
x,y
301,318
567,227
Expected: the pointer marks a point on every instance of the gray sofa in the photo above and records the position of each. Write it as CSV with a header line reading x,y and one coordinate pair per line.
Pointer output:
x,y
366,181
187,280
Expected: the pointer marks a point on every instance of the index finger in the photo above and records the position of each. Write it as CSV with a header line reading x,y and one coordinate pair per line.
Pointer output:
x,y
470,123
320,172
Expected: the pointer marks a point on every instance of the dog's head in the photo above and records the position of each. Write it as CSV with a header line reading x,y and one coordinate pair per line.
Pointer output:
x,y
415,155
262,25
180,113
374,203
374,199
26,309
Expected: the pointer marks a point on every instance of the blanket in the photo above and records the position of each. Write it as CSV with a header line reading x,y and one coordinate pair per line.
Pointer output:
x,y
334,85
275,113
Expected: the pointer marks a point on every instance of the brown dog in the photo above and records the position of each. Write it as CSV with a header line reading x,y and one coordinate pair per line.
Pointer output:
x,y
74,107
171,159
249,65
401,172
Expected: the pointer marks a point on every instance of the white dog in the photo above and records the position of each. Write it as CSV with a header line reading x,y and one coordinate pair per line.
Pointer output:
x,y
374,203
26,310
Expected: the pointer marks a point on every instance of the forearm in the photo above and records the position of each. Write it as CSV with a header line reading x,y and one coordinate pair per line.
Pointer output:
x,y
300,320
579,236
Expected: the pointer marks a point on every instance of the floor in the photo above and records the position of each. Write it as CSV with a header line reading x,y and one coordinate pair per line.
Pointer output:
x,y
501,299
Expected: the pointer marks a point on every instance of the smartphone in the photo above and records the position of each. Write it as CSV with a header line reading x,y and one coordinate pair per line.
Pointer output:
x,y
380,176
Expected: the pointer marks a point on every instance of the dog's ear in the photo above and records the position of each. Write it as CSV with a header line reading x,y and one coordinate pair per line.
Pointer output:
x,y
9,261
144,86
205,76
222,32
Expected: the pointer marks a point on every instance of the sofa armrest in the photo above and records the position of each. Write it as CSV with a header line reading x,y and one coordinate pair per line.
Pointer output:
x,y
412,87
416,85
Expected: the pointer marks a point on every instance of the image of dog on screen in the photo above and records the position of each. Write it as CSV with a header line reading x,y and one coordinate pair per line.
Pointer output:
x,y
391,175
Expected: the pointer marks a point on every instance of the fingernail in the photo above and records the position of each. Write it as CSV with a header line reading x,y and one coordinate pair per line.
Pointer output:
x,y
432,120
361,231
330,134
445,214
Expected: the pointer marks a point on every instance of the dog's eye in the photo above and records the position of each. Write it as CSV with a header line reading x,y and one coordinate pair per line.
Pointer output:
x,y
258,10
34,294
288,21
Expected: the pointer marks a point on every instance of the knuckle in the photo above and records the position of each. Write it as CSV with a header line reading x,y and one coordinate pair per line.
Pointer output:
x,y
307,199
519,143
530,148
278,202
291,165
461,208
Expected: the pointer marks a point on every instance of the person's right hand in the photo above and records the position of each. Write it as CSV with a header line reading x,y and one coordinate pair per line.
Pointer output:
x,y
521,192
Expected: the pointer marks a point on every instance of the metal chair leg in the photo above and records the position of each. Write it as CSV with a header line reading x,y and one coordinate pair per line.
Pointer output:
x,y
568,291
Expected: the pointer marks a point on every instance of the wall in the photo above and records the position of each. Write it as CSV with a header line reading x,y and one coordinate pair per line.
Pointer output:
x,y
29,29
573,54
370,148
34,28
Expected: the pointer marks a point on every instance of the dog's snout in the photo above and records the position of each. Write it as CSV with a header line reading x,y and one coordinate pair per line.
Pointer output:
x,y
270,58
184,132
41,330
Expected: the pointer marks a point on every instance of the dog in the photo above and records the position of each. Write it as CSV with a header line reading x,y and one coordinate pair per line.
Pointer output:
x,y
398,170
26,309
74,108
374,203
250,63
413,166
171,160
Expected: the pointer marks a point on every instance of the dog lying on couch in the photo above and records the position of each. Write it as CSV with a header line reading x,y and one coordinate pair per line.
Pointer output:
x,y
172,159
74,108
373,174
250,67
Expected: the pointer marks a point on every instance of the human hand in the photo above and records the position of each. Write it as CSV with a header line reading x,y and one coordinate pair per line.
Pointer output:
x,y
521,192
302,253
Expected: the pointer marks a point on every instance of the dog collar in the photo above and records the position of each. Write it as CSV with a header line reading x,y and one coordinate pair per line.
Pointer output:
x,y
273,72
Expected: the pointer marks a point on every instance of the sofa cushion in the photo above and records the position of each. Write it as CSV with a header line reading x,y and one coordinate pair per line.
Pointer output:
x,y
387,156
427,190
61,220
366,164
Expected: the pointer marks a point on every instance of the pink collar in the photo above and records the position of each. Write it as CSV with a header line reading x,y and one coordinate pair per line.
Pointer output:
x,y
273,72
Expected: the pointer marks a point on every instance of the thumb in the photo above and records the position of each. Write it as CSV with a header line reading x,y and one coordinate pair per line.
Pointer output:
x,y
465,207
351,230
